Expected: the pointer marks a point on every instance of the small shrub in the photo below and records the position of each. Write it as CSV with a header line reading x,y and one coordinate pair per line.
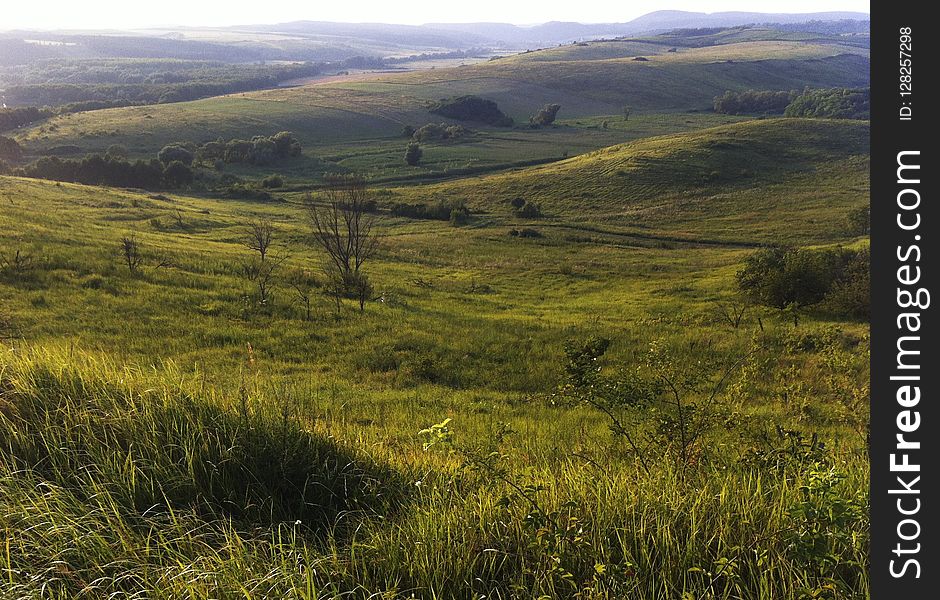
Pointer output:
x,y
413,154
529,210
272,181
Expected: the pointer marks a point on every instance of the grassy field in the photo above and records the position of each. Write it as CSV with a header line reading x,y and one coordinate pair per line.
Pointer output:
x,y
163,434
355,122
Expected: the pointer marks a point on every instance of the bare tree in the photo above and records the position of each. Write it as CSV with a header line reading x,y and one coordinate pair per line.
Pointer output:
x,y
17,263
732,311
343,227
130,250
259,236
262,274
303,284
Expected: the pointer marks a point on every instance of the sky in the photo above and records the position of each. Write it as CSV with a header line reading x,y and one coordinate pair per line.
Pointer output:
x,y
102,14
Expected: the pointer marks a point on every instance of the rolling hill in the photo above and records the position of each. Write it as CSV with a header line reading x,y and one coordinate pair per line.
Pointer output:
x,y
597,79
775,179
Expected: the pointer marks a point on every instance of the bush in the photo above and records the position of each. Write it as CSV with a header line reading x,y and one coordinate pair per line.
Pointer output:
x,y
860,221
259,150
10,149
117,151
98,170
836,280
413,154
439,131
177,174
439,211
759,102
850,294
528,210
472,108
176,153
834,103
272,181
546,115
459,216
526,233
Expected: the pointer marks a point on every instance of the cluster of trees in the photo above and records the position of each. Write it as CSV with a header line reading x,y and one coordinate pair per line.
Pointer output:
x,y
454,210
413,154
832,103
259,150
545,116
11,118
835,103
760,102
9,149
835,281
472,108
525,209
435,132
123,82
111,170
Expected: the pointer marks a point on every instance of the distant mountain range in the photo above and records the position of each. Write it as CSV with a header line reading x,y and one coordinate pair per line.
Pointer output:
x,y
466,35
556,32
328,42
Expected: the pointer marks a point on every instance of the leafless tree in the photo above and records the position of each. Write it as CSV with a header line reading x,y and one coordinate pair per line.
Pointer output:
x,y
342,224
259,236
732,311
262,274
303,284
130,250
17,263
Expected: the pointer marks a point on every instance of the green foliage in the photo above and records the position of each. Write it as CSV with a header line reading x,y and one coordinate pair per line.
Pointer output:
x,y
834,103
260,150
439,131
755,102
413,154
525,232
106,170
442,210
11,118
175,153
459,216
528,210
545,116
10,149
836,280
272,181
859,221
96,84
177,174
471,108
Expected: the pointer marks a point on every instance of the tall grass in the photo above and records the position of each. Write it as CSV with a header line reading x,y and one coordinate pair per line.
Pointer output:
x,y
116,484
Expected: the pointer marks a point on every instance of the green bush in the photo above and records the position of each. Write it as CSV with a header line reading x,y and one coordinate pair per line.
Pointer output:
x,y
472,108
529,210
833,280
835,103
413,154
272,181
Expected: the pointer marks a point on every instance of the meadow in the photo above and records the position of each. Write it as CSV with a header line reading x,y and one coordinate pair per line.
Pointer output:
x,y
577,402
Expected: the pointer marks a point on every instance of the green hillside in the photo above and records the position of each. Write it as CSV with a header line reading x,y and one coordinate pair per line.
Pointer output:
x,y
756,181
376,106
575,366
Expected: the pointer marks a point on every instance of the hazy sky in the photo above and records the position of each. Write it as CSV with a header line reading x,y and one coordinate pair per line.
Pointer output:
x,y
78,14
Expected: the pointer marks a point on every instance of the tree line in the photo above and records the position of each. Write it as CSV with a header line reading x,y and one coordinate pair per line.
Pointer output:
x,y
171,169
832,103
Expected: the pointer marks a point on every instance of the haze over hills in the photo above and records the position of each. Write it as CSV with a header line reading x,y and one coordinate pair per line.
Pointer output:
x,y
328,41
